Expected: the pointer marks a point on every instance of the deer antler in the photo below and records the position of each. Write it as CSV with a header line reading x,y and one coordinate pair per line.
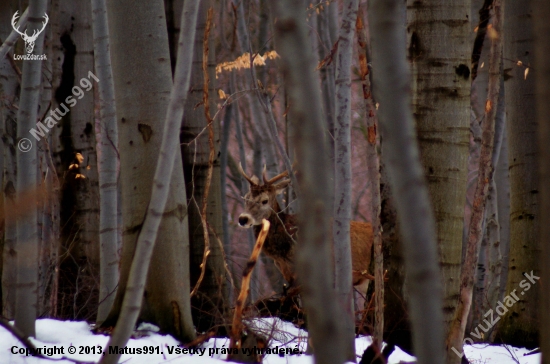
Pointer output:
x,y
282,175
250,180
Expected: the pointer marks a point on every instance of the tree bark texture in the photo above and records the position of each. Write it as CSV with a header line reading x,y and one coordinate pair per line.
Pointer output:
x,y
520,325
209,303
109,230
142,83
439,49
169,149
26,247
313,260
541,15
401,155
9,85
342,173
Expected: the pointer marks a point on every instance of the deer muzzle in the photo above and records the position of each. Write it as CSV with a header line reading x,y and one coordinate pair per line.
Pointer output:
x,y
245,220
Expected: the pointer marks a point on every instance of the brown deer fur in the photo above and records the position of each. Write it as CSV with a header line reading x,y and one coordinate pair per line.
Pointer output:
x,y
261,203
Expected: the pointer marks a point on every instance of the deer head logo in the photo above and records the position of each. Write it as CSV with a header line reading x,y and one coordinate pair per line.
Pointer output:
x,y
29,40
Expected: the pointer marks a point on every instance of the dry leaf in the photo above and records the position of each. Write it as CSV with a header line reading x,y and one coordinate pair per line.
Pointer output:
x,y
222,94
493,34
371,134
243,62
526,73
520,63
488,106
79,158
73,166
79,176
476,29
482,64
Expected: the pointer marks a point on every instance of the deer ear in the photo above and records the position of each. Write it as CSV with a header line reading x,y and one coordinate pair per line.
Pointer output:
x,y
279,187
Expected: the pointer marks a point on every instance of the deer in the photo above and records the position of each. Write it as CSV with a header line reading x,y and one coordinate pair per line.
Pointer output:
x,y
261,203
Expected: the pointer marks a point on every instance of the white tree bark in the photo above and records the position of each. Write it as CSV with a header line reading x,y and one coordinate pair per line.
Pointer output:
x,y
108,163
167,156
27,229
440,52
9,85
401,154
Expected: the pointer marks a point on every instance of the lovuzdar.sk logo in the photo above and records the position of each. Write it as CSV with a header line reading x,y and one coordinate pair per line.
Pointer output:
x,y
29,40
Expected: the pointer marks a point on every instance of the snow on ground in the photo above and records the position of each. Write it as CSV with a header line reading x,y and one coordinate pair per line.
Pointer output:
x,y
63,336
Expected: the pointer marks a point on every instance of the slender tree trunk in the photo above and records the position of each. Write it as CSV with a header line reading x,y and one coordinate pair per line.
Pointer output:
x,y
27,229
86,213
342,174
326,72
439,49
455,335
141,118
520,324
541,15
108,163
502,178
373,168
209,303
416,221
313,255
489,263
9,84
48,217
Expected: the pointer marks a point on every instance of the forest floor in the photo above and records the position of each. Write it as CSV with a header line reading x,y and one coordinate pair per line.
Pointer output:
x,y
68,336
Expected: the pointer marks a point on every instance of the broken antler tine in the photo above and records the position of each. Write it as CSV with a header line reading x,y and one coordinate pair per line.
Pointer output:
x,y
277,177
245,176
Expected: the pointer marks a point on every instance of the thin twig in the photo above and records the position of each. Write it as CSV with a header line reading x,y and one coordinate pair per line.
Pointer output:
x,y
212,150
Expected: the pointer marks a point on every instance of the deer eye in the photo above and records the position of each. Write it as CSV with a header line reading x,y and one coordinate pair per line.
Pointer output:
x,y
264,202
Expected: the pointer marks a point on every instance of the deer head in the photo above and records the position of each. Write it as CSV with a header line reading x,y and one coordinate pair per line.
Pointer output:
x,y
260,201
29,40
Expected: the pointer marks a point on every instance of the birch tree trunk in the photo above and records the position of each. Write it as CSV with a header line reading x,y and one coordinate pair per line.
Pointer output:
x,y
541,15
439,49
26,247
86,190
520,324
9,85
313,255
160,193
108,163
416,221
342,174
140,117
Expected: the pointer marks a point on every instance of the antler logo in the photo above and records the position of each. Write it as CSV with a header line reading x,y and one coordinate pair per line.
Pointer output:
x,y
29,40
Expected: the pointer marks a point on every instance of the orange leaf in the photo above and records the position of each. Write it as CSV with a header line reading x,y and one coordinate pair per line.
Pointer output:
x,y
488,106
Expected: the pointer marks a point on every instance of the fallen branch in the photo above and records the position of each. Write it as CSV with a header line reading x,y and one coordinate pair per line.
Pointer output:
x,y
236,327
